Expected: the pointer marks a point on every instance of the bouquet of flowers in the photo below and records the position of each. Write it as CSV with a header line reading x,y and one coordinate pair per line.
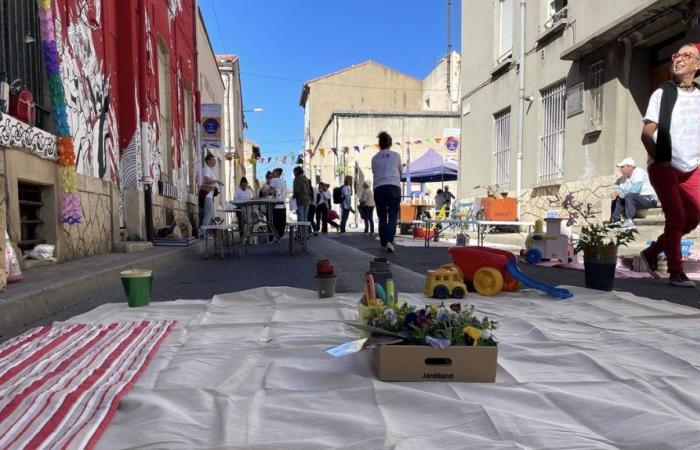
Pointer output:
x,y
436,325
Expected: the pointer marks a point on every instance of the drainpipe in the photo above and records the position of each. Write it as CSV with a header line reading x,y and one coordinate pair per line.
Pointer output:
x,y
146,179
521,109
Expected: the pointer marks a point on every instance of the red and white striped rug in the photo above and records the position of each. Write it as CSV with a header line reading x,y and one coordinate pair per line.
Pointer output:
x,y
61,385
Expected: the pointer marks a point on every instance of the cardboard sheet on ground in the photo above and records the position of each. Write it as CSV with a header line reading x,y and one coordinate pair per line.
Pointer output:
x,y
250,370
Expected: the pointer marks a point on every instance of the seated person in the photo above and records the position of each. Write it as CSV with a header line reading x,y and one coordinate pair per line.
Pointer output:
x,y
633,192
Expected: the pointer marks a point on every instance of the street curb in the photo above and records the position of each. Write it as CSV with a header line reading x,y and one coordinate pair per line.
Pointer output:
x,y
49,299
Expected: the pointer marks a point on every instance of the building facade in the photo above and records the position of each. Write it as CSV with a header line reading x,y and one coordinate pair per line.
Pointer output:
x,y
589,69
354,135
233,137
438,94
127,73
212,99
368,86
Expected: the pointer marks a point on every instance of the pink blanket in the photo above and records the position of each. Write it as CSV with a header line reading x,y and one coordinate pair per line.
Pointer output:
x,y
60,386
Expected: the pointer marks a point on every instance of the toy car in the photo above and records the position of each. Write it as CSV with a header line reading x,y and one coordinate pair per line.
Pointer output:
x,y
492,270
445,282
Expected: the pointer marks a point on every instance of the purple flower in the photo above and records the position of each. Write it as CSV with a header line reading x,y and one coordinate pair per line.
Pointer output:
x,y
422,321
438,342
410,319
441,315
390,315
456,307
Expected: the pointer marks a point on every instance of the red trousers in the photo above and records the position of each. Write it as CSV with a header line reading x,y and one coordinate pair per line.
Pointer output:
x,y
679,194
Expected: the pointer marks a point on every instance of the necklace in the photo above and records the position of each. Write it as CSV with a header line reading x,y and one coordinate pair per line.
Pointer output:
x,y
686,87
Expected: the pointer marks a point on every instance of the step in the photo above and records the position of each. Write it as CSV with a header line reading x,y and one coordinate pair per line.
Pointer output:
x,y
132,246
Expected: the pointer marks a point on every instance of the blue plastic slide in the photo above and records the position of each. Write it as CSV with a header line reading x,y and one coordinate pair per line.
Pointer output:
x,y
513,271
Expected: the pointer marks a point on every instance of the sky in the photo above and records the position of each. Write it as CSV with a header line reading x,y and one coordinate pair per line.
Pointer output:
x,y
283,43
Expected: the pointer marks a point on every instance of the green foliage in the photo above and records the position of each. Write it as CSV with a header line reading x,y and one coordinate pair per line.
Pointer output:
x,y
596,237
438,322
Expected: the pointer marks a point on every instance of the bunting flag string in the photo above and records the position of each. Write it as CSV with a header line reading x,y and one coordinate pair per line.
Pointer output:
x,y
299,157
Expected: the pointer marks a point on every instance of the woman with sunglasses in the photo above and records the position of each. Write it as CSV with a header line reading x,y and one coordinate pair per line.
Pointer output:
x,y
671,137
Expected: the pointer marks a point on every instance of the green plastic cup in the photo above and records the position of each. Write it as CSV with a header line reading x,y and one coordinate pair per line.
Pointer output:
x,y
137,286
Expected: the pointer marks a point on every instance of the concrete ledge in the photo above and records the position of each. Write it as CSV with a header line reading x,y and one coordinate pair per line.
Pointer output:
x,y
132,247
48,290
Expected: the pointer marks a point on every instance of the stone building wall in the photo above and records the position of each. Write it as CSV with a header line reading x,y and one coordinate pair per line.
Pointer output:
x,y
99,229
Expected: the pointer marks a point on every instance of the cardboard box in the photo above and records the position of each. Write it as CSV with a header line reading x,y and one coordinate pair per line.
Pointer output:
x,y
426,363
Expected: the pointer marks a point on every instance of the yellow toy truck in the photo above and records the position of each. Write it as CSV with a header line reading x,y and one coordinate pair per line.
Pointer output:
x,y
445,282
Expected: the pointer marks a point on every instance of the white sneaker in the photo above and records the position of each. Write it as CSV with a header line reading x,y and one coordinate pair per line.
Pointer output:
x,y
627,224
389,247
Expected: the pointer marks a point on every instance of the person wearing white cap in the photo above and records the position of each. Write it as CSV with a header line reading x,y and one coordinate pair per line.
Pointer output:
x,y
633,192
671,137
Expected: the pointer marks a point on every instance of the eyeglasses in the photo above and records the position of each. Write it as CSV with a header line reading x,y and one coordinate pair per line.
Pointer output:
x,y
683,56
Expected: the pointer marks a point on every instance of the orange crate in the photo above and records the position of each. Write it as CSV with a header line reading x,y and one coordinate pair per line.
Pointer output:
x,y
407,213
505,209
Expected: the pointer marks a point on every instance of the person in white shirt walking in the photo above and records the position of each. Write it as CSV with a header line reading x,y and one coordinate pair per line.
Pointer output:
x,y
367,208
323,205
386,168
671,137
633,192
345,204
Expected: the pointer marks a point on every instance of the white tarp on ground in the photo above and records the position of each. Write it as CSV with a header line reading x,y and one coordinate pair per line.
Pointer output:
x,y
249,370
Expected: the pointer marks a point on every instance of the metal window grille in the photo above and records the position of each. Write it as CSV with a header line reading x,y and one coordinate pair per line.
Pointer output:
x,y
551,164
502,153
595,111
20,49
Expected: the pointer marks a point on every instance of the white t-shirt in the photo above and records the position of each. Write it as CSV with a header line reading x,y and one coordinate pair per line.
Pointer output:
x,y
208,173
386,168
639,177
685,127
280,187
325,197
241,195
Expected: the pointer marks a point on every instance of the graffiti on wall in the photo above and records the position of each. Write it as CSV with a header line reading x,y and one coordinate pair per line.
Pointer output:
x,y
17,134
89,105
174,7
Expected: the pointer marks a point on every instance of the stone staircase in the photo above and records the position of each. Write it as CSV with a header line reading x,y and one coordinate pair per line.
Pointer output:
x,y
126,246
650,227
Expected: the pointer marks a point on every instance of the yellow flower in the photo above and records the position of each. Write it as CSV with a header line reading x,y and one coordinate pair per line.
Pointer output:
x,y
473,333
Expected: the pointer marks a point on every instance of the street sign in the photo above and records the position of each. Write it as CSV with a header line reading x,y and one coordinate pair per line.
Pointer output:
x,y
211,125
451,143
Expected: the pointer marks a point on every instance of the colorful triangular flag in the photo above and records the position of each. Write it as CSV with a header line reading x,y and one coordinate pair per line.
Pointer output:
x,y
357,148
334,150
323,152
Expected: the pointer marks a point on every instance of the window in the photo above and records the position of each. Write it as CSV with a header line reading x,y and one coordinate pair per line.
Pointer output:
x,y
164,114
20,49
502,154
189,148
595,93
558,10
551,164
505,30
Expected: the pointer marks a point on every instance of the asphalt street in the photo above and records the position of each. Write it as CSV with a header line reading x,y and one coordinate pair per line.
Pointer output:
x,y
197,278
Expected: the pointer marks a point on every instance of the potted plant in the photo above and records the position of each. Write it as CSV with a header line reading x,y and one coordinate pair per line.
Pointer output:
x,y
599,244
